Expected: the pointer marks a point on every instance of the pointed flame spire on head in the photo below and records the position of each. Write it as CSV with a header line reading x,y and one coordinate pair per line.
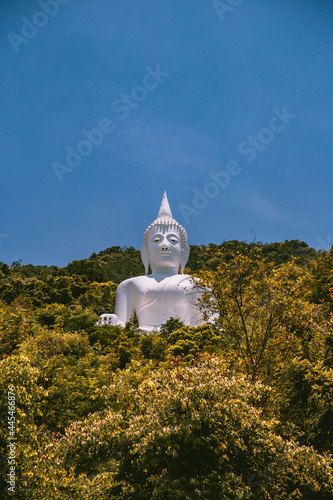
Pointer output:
x,y
165,211
165,218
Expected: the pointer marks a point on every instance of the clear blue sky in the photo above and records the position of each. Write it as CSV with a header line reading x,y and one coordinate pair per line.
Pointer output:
x,y
218,80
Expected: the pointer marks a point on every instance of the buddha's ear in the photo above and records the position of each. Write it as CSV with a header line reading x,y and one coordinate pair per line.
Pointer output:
x,y
185,256
144,258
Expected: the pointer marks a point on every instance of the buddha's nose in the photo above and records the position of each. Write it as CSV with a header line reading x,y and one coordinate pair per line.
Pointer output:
x,y
164,246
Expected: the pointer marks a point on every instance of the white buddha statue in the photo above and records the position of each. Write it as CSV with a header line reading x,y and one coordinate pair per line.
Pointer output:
x,y
164,293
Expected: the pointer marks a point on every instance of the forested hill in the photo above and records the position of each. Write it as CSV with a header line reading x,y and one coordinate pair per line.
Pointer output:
x,y
116,264
90,282
121,263
241,408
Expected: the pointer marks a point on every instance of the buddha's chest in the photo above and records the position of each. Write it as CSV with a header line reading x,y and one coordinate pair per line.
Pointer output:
x,y
174,294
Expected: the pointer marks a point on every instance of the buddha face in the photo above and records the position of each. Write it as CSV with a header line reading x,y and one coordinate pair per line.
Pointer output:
x,y
164,248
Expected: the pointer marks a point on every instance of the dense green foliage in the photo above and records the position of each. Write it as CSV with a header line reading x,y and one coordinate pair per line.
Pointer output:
x,y
237,410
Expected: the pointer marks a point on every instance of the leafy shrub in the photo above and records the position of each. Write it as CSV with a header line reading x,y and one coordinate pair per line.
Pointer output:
x,y
181,434
308,402
16,325
18,376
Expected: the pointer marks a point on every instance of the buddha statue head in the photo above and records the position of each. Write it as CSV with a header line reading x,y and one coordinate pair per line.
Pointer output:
x,y
165,247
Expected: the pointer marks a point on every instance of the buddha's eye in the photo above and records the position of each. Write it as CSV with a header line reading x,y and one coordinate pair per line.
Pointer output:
x,y
173,240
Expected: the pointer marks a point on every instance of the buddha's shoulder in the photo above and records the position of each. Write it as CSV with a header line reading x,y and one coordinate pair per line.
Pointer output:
x,y
137,280
186,282
182,278
185,277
